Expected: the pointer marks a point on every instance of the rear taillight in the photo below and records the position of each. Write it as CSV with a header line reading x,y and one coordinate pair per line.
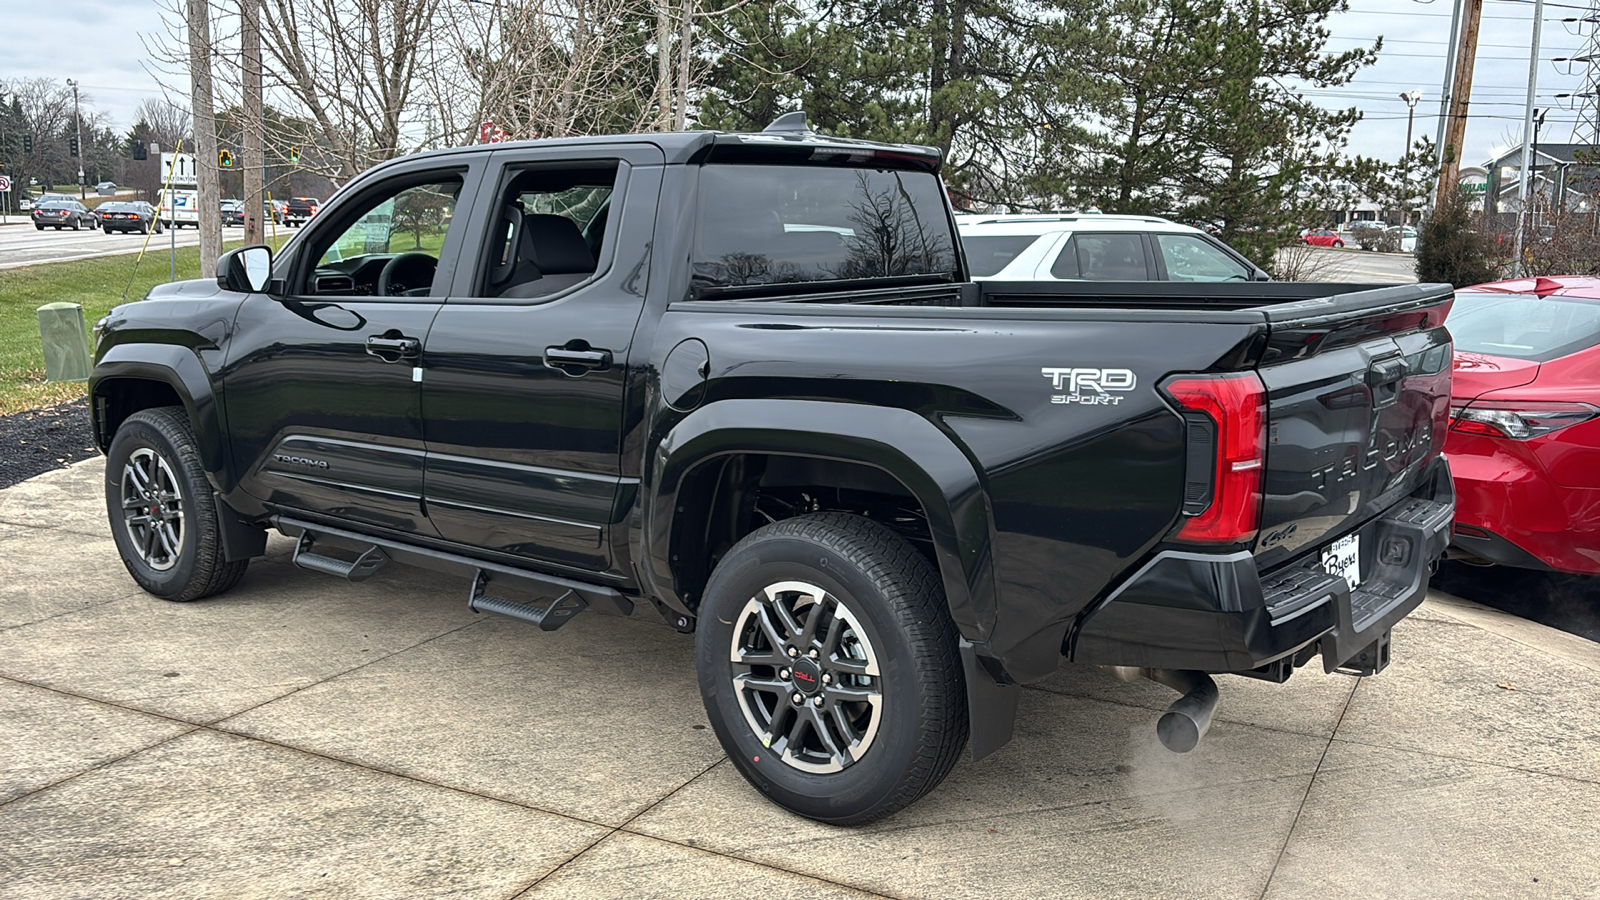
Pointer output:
x,y
1520,420
1226,418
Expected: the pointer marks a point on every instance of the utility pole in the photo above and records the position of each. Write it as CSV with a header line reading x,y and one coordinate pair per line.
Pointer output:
x,y
252,153
205,134
1527,138
77,129
1449,79
1460,99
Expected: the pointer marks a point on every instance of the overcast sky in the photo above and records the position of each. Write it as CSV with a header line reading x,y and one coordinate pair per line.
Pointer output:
x,y
110,63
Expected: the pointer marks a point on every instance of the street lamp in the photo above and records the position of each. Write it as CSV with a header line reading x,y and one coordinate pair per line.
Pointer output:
x,y
1411,98
77,129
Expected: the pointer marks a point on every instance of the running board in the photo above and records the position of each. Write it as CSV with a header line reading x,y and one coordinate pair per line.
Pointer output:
x,y
359,569
376,551
554,614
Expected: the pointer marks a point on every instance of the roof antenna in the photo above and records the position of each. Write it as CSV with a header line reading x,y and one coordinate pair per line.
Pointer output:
x,y
794,122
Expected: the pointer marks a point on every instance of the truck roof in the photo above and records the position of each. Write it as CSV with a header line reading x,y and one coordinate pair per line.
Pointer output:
x,y
685,147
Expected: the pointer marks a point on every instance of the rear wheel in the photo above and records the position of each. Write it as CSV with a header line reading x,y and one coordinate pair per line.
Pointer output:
x,y
159,504
829,668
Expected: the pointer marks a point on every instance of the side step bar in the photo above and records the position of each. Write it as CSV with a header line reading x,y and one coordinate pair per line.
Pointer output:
x,y
359,569
571,597
550,617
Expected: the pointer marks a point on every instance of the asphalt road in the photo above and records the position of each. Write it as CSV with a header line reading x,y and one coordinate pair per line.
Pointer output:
x,y
23,245
1361,266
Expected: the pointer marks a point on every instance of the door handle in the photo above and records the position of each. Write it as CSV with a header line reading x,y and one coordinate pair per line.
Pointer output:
x,y
392,346
568,359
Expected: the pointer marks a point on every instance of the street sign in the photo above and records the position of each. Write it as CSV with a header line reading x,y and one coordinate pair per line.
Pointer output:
x,y
225,159
490,133
5,185
184,173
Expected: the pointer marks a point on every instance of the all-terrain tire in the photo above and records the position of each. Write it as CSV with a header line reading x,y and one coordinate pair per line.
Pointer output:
x,y
160,440
890,604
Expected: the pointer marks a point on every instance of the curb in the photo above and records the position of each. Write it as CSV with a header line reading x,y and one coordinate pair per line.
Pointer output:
x,y
1552,641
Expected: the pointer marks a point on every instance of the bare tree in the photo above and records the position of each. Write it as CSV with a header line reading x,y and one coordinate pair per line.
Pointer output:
x,y
351,68
549,68
167,122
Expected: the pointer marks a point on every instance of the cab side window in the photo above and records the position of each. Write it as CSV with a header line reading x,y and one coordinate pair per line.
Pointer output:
x,y
549,230
391,247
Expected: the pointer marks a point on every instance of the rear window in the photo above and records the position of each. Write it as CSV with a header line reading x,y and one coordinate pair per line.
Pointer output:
x,y
989,254
762,225
1523,326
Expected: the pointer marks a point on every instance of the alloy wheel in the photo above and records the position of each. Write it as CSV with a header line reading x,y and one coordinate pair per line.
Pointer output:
x,y
152,509
806,677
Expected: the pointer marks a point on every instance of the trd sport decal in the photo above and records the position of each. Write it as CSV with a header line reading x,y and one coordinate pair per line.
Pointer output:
x,y
1090,387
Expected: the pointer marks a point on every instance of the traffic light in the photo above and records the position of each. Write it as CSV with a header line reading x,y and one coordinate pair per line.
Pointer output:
x,y
27,143
294,156
139,151
72,146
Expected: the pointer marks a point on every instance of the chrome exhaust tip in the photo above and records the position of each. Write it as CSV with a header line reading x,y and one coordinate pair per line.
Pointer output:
x,y
1188,719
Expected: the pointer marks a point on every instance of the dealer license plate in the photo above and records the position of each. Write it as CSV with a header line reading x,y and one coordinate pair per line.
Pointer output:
x,y
1344,558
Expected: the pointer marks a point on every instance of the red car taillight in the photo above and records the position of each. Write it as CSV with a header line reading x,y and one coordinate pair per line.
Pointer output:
x,y
1226,417
1519,420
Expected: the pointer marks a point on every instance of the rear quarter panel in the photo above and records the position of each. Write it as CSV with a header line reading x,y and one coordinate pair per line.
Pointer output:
x,y
1079,482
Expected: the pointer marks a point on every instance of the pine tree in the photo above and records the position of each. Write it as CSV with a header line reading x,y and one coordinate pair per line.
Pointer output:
x,y
1450,250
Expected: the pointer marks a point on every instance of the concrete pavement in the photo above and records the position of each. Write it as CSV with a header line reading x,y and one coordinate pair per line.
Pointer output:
x,y
301,736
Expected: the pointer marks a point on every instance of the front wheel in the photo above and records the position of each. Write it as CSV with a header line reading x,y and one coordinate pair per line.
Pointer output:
x,y
829,668
159,504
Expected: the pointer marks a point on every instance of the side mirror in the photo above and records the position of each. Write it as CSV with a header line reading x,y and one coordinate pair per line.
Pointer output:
x,y
245,270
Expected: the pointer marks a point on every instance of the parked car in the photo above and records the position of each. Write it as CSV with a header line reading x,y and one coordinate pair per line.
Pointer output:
x,y
1094,247
1524,439
1403,238
59,214
300,210
1322,237
881,496
128,215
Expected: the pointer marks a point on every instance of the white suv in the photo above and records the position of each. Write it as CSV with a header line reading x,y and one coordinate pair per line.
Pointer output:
x,y
1095,247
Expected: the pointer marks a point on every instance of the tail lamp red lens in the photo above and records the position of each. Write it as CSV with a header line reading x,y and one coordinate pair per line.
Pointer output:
x,y
1519,420
1226,414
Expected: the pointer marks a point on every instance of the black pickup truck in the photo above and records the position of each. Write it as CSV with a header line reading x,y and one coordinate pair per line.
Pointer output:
x,y
742,382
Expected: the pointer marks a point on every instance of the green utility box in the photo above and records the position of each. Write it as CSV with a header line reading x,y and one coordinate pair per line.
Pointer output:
x,y
66,342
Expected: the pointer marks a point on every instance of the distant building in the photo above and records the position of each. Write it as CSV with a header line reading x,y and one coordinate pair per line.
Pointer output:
x,y
1564,177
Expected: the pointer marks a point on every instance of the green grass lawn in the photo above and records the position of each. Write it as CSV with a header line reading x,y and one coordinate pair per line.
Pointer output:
x,y
96,285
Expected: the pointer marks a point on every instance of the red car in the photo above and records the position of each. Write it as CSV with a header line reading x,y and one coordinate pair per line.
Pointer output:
x,y
1524,441
1322,237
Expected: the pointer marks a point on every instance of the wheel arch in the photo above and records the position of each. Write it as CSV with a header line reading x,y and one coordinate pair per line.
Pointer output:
x,y
901,447
134,377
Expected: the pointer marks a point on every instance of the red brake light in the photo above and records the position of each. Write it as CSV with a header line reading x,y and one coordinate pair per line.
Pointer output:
x,y
1519,420
1233,408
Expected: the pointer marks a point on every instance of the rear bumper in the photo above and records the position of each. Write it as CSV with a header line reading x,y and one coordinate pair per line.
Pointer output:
x,y
1218,613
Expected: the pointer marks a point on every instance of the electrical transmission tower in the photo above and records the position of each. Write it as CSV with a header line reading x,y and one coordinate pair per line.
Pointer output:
x,y
1585,102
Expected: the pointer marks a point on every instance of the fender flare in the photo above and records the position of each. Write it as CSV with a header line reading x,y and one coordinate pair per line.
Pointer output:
x,y
899,442
179,368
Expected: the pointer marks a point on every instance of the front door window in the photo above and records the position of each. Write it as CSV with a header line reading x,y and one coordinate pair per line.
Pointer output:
x,y
393,247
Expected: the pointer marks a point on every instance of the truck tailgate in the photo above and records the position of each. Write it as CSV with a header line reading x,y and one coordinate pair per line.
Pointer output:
x,y
1357,406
